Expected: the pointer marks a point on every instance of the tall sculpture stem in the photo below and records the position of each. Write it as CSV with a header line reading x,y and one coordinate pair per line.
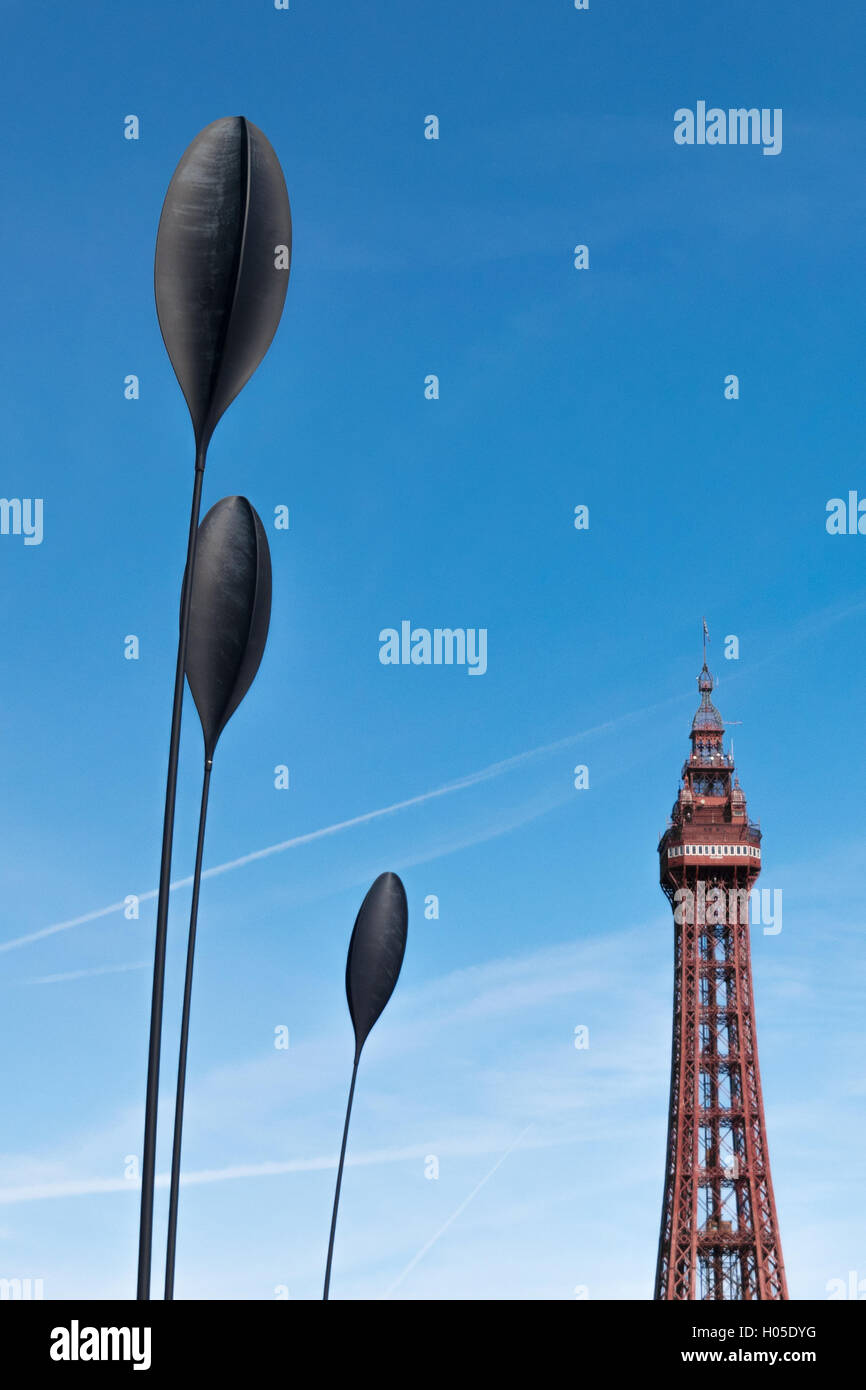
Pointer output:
x,y
148,1158
340,1180
171,1244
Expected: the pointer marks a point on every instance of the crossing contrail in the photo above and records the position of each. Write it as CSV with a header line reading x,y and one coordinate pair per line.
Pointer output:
x,y
454,1215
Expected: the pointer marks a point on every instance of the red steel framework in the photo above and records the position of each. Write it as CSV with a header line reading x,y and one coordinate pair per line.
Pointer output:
x,y
719,1233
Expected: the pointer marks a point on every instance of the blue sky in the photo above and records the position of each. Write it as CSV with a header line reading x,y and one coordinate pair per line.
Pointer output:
x,y
558,387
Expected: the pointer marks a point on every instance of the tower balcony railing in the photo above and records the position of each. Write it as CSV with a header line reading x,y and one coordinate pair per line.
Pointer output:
x,y
751,830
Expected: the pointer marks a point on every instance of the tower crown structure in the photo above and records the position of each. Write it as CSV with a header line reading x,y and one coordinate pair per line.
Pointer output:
x,y
709,821
719,1233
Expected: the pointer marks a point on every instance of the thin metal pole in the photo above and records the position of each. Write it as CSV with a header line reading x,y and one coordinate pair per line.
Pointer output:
x,y
339,1182
171,1245
148,1158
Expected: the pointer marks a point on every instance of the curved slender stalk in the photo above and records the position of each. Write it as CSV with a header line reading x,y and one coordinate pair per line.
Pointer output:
x,y
339,1181
148,1158
171,1245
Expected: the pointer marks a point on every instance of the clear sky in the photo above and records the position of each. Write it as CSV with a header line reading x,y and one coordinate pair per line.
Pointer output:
x,y
558,387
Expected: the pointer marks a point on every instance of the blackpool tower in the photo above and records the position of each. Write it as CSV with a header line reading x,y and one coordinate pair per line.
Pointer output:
x,y
719,1233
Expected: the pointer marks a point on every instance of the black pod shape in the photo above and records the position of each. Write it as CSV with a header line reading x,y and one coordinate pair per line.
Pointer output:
x,y
230,609
220,277
376,954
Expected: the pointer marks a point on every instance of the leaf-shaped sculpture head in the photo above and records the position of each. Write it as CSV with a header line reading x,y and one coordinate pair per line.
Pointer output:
x,y
222,265
376,954
230,609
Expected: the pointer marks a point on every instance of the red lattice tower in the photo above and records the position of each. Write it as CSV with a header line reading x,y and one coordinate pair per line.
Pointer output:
x,y
719,1232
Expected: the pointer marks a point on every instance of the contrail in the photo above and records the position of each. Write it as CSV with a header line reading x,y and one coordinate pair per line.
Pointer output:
x,y
85,1187
83,974
822,620
454,1215
460,784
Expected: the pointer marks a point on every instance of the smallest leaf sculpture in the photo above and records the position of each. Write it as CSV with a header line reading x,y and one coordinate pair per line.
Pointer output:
x,y
373,964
